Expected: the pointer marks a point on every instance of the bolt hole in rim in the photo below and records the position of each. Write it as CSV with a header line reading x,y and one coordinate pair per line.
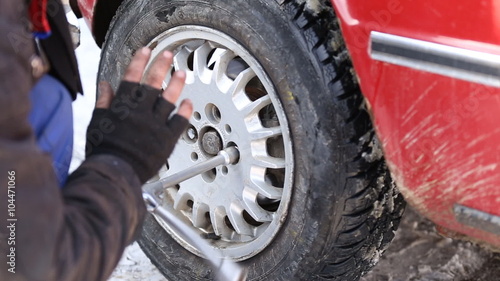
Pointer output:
x,y
240,207
194,156
191,134
197,115
213,113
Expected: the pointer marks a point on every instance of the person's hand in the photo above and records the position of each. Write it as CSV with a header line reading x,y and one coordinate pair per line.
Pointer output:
x,y
136,125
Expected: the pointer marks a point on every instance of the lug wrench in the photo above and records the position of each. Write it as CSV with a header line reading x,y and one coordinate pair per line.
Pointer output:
x,y
226,270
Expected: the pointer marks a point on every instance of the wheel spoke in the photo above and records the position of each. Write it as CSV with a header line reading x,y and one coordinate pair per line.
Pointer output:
x,y
265,133
240,82
236,217
220,228
180,200
180,62
253,208
218,52
237,89
256,106
219,74
269,162
181,59
262,186
200,67
267,190
199,215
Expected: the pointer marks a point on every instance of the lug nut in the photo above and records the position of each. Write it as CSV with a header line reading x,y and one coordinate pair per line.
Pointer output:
x,y
211,142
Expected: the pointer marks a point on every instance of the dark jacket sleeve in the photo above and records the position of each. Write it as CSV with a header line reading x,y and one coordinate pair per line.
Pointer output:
x,y
46,233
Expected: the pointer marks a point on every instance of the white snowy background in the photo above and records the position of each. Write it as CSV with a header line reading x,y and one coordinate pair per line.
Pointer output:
x,y
417,253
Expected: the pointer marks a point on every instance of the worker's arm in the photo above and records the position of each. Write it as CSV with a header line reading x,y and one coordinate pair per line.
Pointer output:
x,y
79,232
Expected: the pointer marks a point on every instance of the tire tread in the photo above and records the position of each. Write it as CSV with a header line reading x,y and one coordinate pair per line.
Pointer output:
x,y
364,236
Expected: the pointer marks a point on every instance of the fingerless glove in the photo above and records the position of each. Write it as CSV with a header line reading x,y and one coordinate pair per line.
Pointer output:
x,y
137,128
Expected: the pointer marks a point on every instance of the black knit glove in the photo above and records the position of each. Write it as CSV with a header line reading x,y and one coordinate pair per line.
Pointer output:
x,y
136,127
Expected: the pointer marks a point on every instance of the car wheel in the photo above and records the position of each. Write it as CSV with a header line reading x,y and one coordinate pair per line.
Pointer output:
x,y
310,197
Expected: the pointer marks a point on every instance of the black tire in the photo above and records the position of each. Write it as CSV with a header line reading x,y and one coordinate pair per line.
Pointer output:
x,y
344,208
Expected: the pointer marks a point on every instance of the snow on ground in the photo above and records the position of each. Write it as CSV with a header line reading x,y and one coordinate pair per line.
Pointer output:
x,y
134,265
417,253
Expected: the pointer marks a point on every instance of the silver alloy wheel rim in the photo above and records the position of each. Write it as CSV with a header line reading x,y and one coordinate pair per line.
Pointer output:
x,y
238,208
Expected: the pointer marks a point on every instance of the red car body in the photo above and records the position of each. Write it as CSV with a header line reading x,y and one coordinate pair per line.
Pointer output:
x,y
430,73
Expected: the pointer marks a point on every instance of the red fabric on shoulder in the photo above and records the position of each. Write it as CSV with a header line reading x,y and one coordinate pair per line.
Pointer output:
x,y
38,17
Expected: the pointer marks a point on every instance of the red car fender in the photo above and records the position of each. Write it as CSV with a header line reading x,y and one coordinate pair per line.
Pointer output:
x,y
435,101
86,9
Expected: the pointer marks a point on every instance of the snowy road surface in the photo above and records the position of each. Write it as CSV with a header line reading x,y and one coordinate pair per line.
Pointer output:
x,y
417,252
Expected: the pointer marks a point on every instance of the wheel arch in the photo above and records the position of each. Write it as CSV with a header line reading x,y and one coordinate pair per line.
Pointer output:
x,y
98,14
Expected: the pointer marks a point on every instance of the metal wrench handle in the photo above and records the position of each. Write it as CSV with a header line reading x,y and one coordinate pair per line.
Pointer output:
x,y
225,270
225,157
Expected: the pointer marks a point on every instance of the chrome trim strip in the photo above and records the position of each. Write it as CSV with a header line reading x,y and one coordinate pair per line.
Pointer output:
x,y
477,219
473,66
